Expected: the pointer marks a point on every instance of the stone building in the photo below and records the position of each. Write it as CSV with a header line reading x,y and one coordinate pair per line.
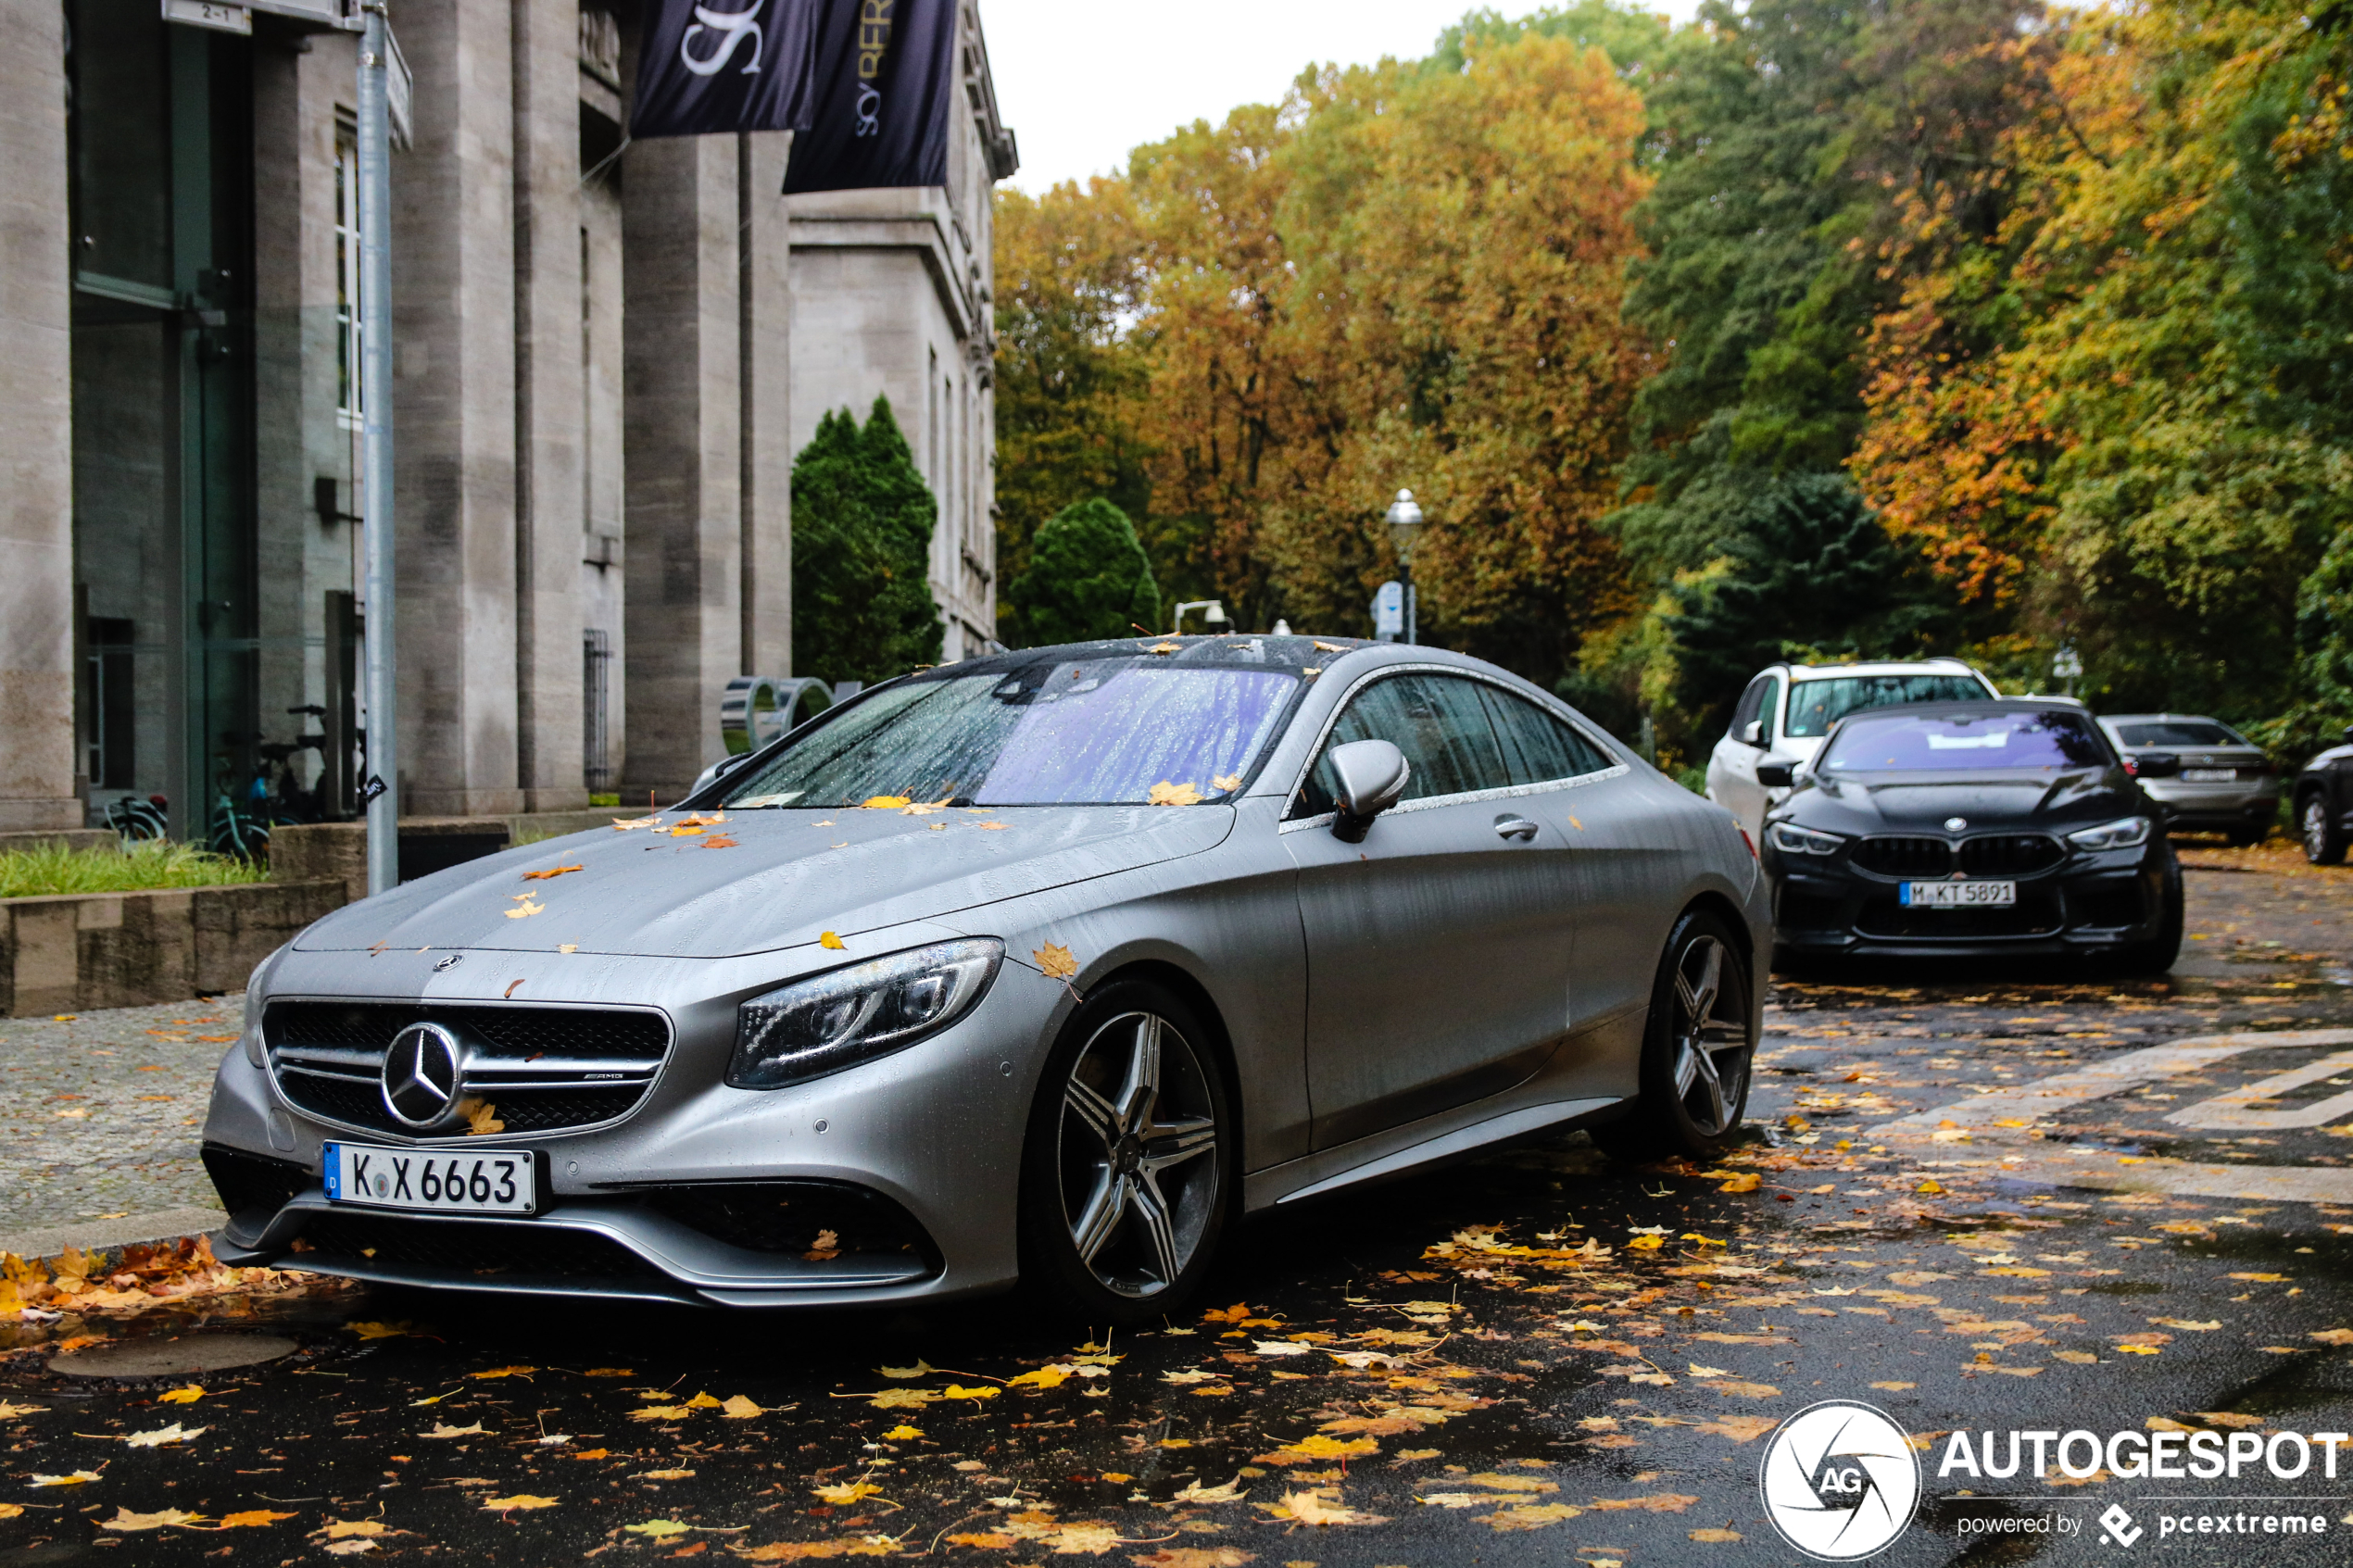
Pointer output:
x,y
605,356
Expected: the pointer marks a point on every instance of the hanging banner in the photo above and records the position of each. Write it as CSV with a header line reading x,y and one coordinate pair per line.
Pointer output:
x,y
879,105
726,66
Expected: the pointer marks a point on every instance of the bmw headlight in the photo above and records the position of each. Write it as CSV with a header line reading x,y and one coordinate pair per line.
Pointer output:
x,y
837,1019
2125,832
1791,839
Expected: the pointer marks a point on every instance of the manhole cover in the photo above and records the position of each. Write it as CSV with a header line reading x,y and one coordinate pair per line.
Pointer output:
x,y
183,1357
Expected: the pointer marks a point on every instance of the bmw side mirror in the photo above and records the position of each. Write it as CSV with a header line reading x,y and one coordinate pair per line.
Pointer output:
x,y
2348,734
2156,765
1753,733
1371,776
1776,775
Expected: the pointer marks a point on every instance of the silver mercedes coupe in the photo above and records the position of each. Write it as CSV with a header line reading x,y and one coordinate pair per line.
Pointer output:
x,y
1041,968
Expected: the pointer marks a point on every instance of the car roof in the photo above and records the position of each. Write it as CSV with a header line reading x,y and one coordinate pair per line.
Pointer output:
x,y
1879,667
2162,718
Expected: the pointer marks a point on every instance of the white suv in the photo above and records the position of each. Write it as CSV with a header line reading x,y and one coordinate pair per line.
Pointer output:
x,y
1788,708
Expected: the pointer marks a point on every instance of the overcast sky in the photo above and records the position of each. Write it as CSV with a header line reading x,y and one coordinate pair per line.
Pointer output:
x,y
1082,84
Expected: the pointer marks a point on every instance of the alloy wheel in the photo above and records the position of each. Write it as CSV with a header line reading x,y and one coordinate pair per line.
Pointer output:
x,y
1137,1154
2316,829
1712,1050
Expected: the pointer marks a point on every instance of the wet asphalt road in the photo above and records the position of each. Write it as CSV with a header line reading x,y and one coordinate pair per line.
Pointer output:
x,y
1486,1364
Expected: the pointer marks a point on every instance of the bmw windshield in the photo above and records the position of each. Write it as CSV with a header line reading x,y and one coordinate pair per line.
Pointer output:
x,y
1964,742
1815,706
1099,732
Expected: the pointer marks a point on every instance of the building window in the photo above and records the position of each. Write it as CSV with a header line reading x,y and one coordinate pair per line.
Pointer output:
x,y
347,275
596,729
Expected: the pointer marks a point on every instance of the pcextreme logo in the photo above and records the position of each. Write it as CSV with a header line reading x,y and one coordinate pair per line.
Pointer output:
x,y
1839,1480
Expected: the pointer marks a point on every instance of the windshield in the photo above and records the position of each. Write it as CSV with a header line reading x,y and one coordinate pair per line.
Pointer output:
x,y
1964,742
1815,706
1106,732
2180,732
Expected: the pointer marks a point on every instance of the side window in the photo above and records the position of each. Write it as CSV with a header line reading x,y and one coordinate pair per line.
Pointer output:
x,y
1438,721
1537,747
1772,706
1751,706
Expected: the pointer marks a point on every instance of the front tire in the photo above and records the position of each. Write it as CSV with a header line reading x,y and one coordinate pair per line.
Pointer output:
x,y
1129,1168
1698,1051
2316,826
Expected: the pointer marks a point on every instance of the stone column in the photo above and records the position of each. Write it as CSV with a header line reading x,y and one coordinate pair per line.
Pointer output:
x,y
38,787
551,502
766,419
684,623
453,412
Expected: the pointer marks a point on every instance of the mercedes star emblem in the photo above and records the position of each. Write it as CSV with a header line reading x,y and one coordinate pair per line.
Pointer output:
x,y
1955,824
420,1075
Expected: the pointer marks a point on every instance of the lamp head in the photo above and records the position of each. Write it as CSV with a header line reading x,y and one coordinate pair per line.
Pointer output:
x,y
1404,519
1215,614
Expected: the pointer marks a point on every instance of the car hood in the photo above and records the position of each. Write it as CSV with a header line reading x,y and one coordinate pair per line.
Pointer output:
x,y
1919,802
784,879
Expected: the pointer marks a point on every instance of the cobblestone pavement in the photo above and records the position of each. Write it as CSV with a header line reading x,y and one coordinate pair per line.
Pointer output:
x,y
1532,1357
100,1112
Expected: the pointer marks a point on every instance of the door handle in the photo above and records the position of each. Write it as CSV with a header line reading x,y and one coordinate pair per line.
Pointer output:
x,y
1516,827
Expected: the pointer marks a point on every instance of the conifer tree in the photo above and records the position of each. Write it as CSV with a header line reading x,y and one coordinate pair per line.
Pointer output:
x,y
862,521
1089,577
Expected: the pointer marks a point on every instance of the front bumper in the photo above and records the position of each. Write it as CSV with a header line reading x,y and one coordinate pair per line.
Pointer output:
x,y
704,1193
2090,905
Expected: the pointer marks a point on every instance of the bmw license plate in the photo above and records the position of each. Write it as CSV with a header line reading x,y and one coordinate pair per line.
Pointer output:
x,y
2209,775
1958,895
431,1181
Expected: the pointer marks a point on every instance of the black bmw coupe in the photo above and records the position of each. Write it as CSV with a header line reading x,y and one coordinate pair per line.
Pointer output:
x,y
1998,827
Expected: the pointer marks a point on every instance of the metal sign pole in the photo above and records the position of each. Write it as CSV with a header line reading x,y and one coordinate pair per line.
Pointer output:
x,y
381,789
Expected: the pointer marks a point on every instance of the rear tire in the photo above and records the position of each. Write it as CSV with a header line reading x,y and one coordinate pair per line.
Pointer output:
x,y
1129,1169
1698,1051
2318,827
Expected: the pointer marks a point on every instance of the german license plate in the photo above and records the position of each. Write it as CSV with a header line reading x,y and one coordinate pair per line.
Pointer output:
x,y
2209,775
430,1180
1958,895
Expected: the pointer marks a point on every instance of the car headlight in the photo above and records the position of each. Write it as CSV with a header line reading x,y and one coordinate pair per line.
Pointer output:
x,y
1791,839
837,1019
2125,832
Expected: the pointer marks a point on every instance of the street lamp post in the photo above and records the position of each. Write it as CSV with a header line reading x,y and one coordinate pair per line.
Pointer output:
x,y
1404,519
1213,612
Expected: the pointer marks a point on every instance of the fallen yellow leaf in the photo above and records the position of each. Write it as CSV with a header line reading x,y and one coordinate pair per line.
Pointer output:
x,y
188,1395
124,1520
519,1501
848,1492
658,1529
885,802
1056,962
958,1391
525,908
1166,794
1746,1181
827,939
252,1518
1714,1536
550,871
735,1407
504,1371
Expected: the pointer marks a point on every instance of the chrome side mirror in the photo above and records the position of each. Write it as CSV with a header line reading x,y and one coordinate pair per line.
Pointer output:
x,y
1370,776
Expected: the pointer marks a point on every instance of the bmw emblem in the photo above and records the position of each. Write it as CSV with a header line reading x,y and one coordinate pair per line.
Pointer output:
x,y
421,1073
1955,824
452,961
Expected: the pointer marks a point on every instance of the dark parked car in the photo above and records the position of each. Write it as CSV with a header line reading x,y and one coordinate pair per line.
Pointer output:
x,y
2324,803
1973,827
2218,781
